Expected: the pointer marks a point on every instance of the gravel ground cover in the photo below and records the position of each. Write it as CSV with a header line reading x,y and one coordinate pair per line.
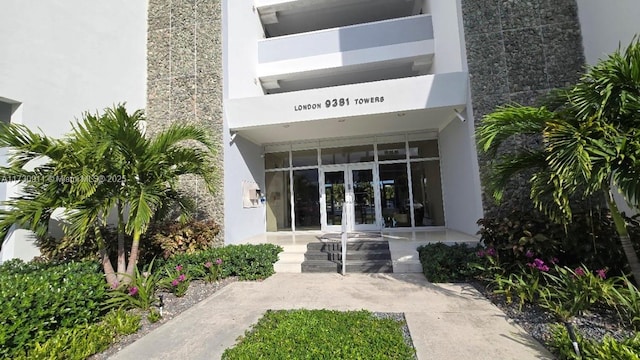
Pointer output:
x,y
537,321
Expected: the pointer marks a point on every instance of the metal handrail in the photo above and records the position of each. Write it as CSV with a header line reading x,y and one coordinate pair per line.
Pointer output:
x,y
344,238
346,226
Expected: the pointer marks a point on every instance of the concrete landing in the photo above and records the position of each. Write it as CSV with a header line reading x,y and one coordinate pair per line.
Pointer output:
x,y
446,321
402,245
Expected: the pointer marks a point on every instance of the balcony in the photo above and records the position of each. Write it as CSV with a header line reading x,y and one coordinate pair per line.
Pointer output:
x,y
286,17
382,50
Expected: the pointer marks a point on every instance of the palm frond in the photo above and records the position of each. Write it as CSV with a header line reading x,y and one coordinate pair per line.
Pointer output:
x,y
178,133
508,121
610,90
507,166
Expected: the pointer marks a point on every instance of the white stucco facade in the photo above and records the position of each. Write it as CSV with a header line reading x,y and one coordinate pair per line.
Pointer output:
x,y
309,78
60,58
607,24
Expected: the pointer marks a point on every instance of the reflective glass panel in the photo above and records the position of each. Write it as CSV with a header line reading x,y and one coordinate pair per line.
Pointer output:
x,y
423,149
278,201
334,195
349,154
304,157
427,193
394,193
395,151
306,192
277,160
363,197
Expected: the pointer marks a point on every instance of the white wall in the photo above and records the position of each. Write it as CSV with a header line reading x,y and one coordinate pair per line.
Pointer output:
x,y
60,58
458,155
242,158
460,176
243,29
447,32
243,162
606,24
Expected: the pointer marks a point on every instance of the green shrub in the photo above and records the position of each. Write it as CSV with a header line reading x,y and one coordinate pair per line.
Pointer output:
x,y
609,348
524,285
247,262
625,298
75,343
122,322
38,299
444,263
161,240
83,340
154,316
69,249
322,334
569,292
590,239
187,238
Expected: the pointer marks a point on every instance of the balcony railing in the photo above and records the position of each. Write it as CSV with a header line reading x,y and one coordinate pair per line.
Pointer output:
x,y
380,50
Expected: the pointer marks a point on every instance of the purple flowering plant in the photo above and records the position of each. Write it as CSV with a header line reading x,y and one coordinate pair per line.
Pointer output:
x,y
139,293
213,270
539,265
569,292
487,265
178,280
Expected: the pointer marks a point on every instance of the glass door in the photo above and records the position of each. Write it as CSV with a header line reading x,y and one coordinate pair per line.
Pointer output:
x,y
334,197
350,188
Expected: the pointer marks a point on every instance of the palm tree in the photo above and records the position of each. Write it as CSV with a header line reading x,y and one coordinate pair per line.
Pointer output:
x,y
114,167
591,143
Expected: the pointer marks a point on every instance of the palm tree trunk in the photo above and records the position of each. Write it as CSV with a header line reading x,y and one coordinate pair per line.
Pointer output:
x,y
625,240
122,260
110,274
133,256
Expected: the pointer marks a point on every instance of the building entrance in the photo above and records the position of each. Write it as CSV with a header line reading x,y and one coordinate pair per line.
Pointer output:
x,y
351,188
386,182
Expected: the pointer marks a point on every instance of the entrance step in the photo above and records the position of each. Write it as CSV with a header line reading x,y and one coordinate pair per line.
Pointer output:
x,y
290,258
351,255
369,266
353,266
363,256
320,266
365,245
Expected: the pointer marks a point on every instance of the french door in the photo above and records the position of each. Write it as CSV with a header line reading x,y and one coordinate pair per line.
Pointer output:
x,y
350,188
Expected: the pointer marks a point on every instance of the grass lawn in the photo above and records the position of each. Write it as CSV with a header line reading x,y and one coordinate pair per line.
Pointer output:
x,y
322,334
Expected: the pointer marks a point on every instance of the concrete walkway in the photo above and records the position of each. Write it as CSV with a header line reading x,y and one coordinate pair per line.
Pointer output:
x,y
446,321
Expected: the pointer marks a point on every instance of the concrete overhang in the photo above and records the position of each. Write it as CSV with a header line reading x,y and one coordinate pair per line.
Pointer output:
x,y
398,105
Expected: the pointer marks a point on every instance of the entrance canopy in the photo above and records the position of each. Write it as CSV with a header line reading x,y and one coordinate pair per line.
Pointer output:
x,y
398,105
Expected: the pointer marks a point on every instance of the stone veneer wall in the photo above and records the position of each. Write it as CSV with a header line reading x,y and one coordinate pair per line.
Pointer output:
x,y
184,75
517,50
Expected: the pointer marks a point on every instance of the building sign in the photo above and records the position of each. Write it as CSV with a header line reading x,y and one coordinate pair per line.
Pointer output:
x,y
339,102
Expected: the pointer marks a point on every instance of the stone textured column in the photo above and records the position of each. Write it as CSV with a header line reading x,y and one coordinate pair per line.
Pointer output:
x,y
517,50
184,80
